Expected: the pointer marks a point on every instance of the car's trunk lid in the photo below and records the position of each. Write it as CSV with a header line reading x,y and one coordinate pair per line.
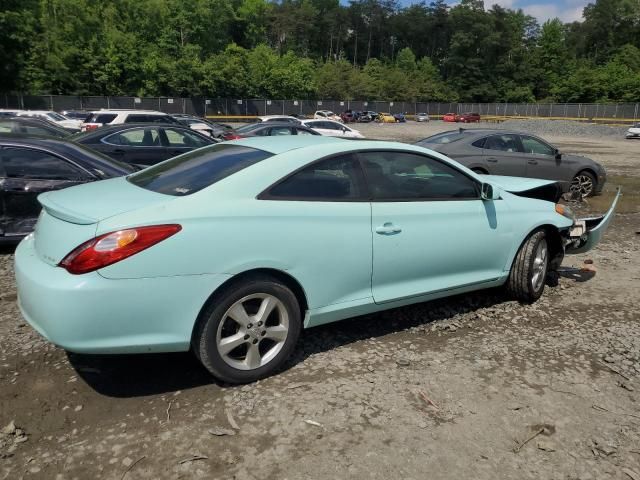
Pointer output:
x,y
69,217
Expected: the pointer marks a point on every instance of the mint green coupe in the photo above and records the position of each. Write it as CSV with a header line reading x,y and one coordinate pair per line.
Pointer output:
x,y
231,250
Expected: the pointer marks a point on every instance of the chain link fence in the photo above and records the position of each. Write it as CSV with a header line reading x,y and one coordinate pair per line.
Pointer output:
x,y
240,107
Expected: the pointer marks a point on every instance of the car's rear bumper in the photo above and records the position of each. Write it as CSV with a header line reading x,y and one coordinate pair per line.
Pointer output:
x,y
92,314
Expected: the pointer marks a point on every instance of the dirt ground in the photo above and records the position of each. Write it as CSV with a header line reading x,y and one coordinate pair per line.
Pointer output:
x,y
475,386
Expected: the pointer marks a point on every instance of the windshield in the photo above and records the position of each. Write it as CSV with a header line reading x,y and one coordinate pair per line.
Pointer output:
x,y
56,116
441,138
104,166
248,128
193,171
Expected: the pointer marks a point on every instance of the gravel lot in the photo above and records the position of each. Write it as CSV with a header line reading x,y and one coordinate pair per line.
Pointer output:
x,y
475,386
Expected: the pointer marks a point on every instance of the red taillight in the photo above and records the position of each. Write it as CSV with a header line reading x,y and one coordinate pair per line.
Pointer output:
x,y
112,247
89,127
232,136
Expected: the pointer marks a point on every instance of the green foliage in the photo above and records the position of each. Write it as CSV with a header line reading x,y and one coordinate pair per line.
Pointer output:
x,y
366,49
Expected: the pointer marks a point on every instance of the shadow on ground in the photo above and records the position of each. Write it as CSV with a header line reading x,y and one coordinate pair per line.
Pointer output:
x,y
148,374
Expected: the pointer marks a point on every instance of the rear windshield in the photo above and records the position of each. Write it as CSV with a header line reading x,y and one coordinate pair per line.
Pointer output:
x,y
101,118
193,171
440,138
103,166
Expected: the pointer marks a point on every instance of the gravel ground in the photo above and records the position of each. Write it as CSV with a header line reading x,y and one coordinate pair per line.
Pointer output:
x,y
475,386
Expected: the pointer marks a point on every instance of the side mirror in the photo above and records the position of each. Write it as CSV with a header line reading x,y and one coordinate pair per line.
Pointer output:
x,y
489,192
557,154
344,129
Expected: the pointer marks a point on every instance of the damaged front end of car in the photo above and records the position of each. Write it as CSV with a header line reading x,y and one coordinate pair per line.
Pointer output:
x,y
586,233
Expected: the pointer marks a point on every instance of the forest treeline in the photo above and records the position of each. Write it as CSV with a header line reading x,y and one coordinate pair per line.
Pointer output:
x,y
366,49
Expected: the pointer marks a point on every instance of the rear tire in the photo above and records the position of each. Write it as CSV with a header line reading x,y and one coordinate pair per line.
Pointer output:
x,y
248,330
529,270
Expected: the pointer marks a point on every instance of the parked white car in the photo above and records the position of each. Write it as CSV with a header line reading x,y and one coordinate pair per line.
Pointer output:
x,y
422,117
51,116
327,115
329,128
279,119
102,117
633,132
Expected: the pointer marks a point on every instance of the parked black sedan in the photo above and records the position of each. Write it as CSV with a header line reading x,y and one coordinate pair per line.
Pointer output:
x,y
32,126
30,165
143,144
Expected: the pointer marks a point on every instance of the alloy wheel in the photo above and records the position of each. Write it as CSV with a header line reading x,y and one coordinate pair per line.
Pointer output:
x,y
583,184
252,331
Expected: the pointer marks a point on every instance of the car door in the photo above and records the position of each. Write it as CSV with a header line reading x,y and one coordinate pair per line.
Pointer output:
x,y
541,159
136,145
26,173
431,230
503,155
323,209
181,140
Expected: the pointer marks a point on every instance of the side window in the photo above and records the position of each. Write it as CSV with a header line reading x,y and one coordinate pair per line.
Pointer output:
x,y
276,131
479,143
533,145
136,137
503,143
36,164
6,127
28,129
300,131
337,178
333,126
314,124
183,138
408,176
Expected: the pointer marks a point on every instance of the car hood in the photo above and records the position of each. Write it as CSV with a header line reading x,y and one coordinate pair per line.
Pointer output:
x,y
516,184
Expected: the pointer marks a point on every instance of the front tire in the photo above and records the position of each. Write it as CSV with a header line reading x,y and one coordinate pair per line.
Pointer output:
x,y
248,330
529,270
583,184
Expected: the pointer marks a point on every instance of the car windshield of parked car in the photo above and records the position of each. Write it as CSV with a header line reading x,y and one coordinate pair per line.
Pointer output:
x,y
99,163
441,138
250,127
101,118
191,172
56,116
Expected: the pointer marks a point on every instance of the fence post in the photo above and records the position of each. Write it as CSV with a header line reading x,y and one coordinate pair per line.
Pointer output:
x,y
635,113
616,113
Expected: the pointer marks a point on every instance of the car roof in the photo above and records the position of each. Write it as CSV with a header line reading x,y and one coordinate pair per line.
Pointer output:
x,y
30,139
127,110
282,144
485,131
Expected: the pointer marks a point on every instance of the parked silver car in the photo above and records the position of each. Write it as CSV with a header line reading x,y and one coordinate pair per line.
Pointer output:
x,y
422,117
518,154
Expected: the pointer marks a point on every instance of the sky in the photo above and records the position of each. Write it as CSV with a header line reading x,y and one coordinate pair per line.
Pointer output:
x,y
565,10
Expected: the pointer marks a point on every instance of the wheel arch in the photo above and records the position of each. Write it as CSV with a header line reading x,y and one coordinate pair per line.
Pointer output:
x,y
554,242
287,279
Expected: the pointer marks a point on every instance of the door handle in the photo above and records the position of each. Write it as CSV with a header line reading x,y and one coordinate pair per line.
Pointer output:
x,y
388,229
532,162
492,159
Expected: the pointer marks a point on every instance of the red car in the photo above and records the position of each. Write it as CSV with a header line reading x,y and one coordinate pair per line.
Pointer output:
x,y
468,117
450,117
